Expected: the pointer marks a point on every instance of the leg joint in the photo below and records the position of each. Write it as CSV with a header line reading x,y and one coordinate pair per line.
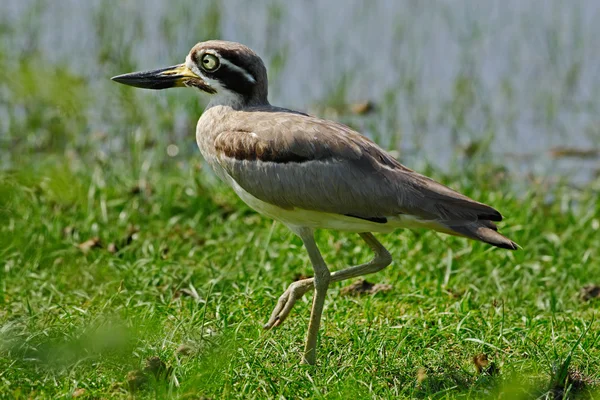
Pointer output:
x,y
322,275
383,257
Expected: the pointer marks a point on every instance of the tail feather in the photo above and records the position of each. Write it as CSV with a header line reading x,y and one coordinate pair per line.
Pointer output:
x,y
485,231
489,224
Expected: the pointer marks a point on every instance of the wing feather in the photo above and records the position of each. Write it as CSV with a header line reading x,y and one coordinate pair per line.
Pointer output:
x,y
295,160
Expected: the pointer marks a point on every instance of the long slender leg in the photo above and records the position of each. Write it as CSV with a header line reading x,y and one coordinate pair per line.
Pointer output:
x,y
297,289
321,283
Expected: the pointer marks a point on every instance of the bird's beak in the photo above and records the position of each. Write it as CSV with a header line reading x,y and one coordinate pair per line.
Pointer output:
x,y
164,78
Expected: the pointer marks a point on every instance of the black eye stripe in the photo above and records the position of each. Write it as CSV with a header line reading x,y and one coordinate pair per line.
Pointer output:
x,y
232,57
237,60
234,80
233,72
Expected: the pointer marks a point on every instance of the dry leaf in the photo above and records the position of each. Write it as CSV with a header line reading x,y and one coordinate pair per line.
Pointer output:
x,y
155,366
481,362
362,108
300,277
90,244
112,248
484,366
589,292
362,286
421,375
184,350
558,152
136,379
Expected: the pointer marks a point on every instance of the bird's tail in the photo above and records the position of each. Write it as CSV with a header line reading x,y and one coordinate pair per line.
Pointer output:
x,y
485,231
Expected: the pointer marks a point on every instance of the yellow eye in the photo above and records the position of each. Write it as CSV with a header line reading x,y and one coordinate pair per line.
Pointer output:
x,y
210,62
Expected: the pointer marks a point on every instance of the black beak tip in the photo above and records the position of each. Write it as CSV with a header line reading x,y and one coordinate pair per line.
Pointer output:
x,y
120,78
149,79
117,78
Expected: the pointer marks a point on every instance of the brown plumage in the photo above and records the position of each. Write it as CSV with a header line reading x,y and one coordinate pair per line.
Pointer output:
x,y
310,173
336,170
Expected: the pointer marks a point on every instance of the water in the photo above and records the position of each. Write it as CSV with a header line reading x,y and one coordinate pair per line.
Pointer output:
x,y
443,74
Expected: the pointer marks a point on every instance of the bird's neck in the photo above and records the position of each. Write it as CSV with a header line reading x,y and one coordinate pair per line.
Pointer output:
x,y
236,100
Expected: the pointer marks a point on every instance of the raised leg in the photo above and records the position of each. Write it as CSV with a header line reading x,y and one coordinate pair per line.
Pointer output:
x,y
297,289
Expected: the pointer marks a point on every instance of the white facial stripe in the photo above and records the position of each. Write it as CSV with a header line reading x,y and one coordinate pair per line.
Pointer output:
x,y
223,96
191,65
234,67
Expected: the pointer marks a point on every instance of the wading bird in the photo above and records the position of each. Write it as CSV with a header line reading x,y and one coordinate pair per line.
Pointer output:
x,y
309,173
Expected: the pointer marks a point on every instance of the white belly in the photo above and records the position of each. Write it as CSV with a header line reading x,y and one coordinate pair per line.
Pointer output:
x,y
298,217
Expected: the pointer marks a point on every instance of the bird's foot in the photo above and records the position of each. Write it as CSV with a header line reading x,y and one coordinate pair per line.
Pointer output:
x,y
287,300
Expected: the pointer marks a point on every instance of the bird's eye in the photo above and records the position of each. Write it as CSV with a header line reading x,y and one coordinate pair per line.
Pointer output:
x,y
210,62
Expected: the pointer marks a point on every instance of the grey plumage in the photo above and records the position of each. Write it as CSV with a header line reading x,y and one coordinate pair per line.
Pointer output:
x,y
293,160
310,173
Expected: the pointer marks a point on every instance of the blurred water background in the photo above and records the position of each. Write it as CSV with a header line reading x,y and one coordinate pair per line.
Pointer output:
x,y
507,81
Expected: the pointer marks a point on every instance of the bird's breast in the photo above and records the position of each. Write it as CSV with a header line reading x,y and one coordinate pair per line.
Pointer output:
x,y
207,130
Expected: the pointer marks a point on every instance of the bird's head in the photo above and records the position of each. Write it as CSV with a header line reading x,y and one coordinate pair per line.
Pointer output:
x,y
230,71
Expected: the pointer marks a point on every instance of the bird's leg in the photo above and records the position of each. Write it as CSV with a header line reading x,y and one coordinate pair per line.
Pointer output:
x,y
287,300
321,283
297,289
382,259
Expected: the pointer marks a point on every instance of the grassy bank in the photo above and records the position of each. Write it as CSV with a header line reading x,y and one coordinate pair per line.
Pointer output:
x,y
105,266
127,270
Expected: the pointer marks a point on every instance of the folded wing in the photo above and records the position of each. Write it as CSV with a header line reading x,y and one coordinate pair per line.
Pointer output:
x,y
297,161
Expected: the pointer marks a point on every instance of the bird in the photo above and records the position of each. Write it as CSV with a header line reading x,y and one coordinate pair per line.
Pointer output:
x,y
310,173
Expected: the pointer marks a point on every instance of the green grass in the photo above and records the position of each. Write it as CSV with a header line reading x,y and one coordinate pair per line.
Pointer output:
x,y
194,266
113,253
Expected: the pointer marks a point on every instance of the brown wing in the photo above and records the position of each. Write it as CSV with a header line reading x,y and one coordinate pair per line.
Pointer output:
x,y
294,160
